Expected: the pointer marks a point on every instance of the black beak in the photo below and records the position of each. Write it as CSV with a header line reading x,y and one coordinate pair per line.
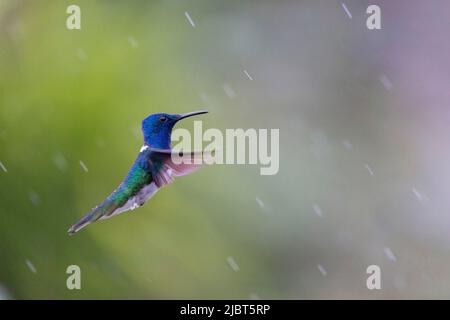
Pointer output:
x,y
190,114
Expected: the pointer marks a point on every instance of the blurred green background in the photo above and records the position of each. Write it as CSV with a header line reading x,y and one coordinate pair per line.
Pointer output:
x,y
363,118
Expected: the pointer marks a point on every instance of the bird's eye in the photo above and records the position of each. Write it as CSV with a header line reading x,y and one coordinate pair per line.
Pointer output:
x,y
163,119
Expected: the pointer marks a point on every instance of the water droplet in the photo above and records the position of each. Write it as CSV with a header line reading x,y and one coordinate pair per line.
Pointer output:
x,y
31,266
388,252
233,263
322,270
189,19
260,203
3,167
317,210
349,14
83,166
369,169
248,75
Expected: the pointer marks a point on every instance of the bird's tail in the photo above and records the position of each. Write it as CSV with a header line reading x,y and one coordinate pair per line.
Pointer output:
x,y
87,219
102,211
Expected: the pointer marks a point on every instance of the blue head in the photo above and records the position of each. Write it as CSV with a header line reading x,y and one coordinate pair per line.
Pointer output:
x,y
157,128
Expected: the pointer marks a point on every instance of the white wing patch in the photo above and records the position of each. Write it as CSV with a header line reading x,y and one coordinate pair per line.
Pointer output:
x,y
135,202
143,148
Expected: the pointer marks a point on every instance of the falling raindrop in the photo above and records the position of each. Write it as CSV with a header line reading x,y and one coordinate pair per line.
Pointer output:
x,y
264,207
349,14
369,169
420,196
417,193
232,263
322,270
83,166
3,167
388,252
248,75
260,203
317,210
189,19
30,266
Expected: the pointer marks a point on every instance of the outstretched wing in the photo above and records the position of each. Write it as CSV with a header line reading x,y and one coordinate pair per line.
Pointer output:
x,y
166,164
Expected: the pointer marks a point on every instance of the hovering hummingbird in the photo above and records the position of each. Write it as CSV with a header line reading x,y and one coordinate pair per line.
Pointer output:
x,y
152,169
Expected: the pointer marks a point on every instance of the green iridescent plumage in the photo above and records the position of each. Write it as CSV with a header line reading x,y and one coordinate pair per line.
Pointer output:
x,y
137,178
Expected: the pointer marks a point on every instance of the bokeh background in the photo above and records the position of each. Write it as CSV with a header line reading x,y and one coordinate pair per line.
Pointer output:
x,y
364,149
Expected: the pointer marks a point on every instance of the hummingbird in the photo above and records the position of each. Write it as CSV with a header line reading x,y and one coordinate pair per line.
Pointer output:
x,y
152,169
